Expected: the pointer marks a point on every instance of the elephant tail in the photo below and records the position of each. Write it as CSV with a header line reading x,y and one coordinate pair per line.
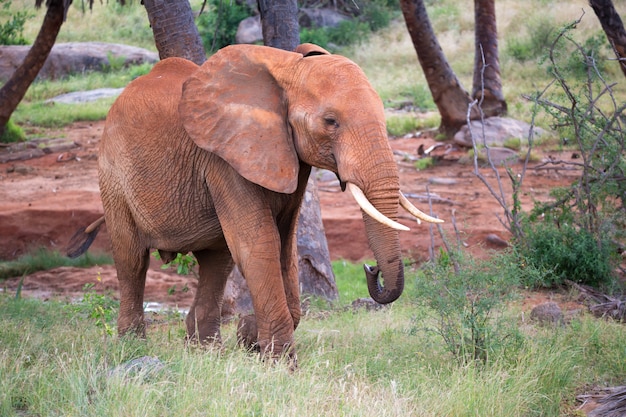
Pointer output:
x,y
83,238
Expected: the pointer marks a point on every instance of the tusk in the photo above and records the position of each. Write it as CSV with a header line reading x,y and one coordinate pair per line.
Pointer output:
x,y
367,207
408,206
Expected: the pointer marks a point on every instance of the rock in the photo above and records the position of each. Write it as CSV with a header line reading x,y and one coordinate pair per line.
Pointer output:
x,y
442,181
498,155
86,96
496,240
497,131
547,313
249,30
320,18
144,367
75,57
367,303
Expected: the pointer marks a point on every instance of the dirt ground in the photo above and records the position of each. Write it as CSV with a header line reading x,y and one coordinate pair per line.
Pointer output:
x,y
44,200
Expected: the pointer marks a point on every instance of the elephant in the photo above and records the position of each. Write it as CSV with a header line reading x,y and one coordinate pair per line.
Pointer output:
x,y
214,160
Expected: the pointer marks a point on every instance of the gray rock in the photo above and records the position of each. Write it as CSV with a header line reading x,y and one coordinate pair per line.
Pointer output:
x,y
495,131
86,96
498,155
75,57
496,240
249,30
547,313
144,367
320,18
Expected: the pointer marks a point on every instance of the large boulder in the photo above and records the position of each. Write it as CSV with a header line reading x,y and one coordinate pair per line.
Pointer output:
x,y
495,131
75,57
249,30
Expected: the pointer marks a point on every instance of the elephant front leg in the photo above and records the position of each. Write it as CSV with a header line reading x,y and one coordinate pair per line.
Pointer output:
x,y
258,259
204,318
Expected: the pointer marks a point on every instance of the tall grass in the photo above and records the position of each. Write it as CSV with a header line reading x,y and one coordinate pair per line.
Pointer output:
x,y
351,363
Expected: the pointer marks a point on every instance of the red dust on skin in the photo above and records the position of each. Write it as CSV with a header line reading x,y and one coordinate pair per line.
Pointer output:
x,y
44,200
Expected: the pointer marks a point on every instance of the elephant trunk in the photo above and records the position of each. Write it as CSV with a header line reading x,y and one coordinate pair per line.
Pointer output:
x,y
385,243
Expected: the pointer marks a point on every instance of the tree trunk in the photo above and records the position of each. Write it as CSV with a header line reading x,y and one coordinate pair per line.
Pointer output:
x,y
279,22
451,99
487,85
14,90
174,29
613,28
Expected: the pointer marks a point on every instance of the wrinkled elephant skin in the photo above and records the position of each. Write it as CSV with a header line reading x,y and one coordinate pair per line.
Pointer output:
x,y
215,160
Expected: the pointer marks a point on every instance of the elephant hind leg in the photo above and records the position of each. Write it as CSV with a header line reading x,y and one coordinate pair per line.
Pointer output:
x,y
131,262
205,315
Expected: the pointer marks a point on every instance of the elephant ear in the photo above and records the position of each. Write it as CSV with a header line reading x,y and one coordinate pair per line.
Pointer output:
x,y
309,49
233,107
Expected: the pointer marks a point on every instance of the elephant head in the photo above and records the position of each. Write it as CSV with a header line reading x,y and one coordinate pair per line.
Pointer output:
x,y
273,110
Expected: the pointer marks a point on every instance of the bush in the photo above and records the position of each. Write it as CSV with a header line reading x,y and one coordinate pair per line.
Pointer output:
x,y
218,24
567,252
466,296
540,33
12,31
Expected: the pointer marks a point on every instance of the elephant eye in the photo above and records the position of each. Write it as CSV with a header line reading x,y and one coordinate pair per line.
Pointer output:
x,y
331,122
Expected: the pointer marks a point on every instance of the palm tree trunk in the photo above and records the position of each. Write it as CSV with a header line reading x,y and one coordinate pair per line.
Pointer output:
x,y
14,90
174,29
487,85
613,28
451,99
279,21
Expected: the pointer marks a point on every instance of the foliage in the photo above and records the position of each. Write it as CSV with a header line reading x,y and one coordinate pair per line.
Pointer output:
x,y
101,308
370,16
467,297
12,133
44,259
12,31
590,213
424,163
346,33
218,24
184,263
565,252
539,34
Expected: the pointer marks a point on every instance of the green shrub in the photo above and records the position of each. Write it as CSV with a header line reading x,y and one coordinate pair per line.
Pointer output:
x,y
539,35
566,252
424,163
467,296
12,31
12,133
218,24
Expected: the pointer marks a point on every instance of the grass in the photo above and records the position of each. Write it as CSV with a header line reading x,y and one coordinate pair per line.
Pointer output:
x,y
351,363
44,259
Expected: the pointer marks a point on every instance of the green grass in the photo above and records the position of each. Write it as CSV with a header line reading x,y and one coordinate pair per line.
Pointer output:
x,y
351,363
44,259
